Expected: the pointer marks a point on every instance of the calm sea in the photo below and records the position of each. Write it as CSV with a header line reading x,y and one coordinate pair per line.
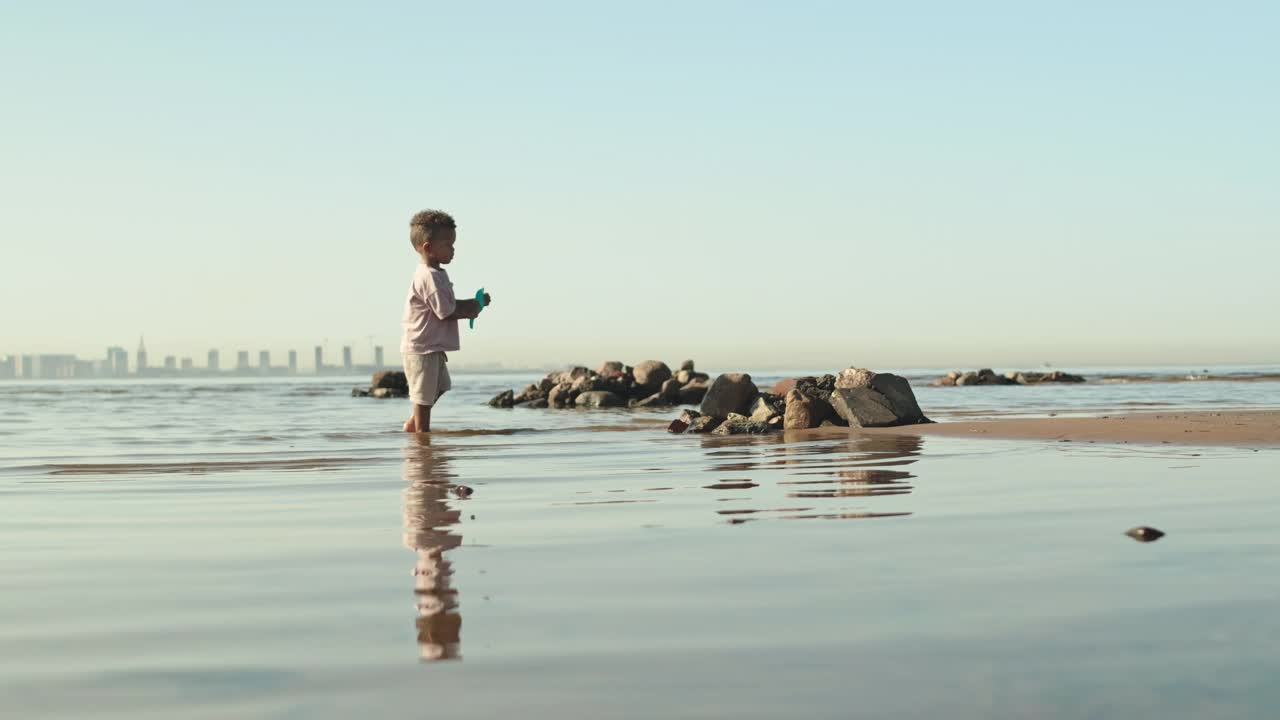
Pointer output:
x,y
277,549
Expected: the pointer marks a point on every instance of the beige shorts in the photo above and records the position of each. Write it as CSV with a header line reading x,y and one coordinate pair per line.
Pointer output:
x,y
428,377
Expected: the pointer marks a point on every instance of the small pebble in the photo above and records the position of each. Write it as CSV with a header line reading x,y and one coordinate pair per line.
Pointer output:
x,y
1145,534
462,491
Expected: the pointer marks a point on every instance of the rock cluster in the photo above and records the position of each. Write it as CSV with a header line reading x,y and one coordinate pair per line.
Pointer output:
x,y
648,384
386,384
856,397
987,376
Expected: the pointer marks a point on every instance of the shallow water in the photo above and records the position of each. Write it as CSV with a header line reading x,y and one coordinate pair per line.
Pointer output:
x,y
277,549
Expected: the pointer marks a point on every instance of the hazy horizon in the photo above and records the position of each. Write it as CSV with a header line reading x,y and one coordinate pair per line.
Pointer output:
x,y
798,185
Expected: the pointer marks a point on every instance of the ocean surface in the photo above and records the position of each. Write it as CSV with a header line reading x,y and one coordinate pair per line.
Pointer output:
x,y
233,547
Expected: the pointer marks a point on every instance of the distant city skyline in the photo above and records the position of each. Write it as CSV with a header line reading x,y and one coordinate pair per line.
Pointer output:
x,y
115,362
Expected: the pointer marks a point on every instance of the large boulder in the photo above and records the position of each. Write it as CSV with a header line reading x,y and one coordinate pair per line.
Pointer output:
x,y
692,393
609,368
504,399
729,393
393,380
804,411
887,402
687,365
561,395
568,376
863,407
599,399
902,400
650,374
671,390
854,378
703,424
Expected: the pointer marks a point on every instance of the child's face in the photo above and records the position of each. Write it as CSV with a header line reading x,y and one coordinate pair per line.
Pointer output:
x,y
439,249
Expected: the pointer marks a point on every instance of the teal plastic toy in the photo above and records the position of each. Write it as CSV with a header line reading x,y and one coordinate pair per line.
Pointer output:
x,y
480,299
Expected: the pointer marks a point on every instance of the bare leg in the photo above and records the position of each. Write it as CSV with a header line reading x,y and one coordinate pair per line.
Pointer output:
x,y
421,418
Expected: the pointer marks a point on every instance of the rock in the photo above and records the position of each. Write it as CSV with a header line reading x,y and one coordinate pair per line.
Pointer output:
x,y
654,400
677,426
775,422
804,412
568,376
687,365
863,407
969,378
545,385
671,390
688,415
703,424
650,374
504,399
854,378
530,392
359,392
684,376
762,410
693,393
561,395
610,368
587,384
1145,534
462,491
902,401
729,393
1062,377
536,403
394,380
599,399
782,387
384,393
737,424
945,381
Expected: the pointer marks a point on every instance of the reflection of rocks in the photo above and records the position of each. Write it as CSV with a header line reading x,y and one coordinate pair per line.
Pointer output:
x,y
987,376
649,384
428,520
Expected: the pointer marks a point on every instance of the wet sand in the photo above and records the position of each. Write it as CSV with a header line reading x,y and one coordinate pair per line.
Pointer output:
x,y
1241,428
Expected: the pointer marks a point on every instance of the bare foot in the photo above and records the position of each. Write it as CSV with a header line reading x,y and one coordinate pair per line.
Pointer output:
x,y
410,426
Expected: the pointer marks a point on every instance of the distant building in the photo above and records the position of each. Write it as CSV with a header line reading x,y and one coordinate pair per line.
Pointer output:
x,y
55,367
83,368
242,360
346,357
29,367
264,360
170,363
319,358
9,367
293,362
119,361
377,356
142,357
213,362
188,364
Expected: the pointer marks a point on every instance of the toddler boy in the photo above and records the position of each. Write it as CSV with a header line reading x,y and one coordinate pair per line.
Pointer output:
x,y
431,315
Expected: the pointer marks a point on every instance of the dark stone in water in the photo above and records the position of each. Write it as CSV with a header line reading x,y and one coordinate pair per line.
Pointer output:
x,y
1145,534
462,491
504,399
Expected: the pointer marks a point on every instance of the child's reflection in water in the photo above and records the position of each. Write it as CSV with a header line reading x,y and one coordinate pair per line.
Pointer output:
x,y
427,520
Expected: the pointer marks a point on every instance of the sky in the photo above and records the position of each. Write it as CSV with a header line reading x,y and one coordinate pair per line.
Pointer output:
x,y
749,184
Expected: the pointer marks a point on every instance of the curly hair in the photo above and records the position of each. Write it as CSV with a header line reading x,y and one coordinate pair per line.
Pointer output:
x,y
425,223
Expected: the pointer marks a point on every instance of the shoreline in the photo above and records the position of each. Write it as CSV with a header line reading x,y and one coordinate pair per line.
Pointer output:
x,y
1240,428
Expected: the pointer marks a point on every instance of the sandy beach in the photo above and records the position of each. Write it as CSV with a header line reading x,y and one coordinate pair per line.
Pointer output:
x,y
1240,428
